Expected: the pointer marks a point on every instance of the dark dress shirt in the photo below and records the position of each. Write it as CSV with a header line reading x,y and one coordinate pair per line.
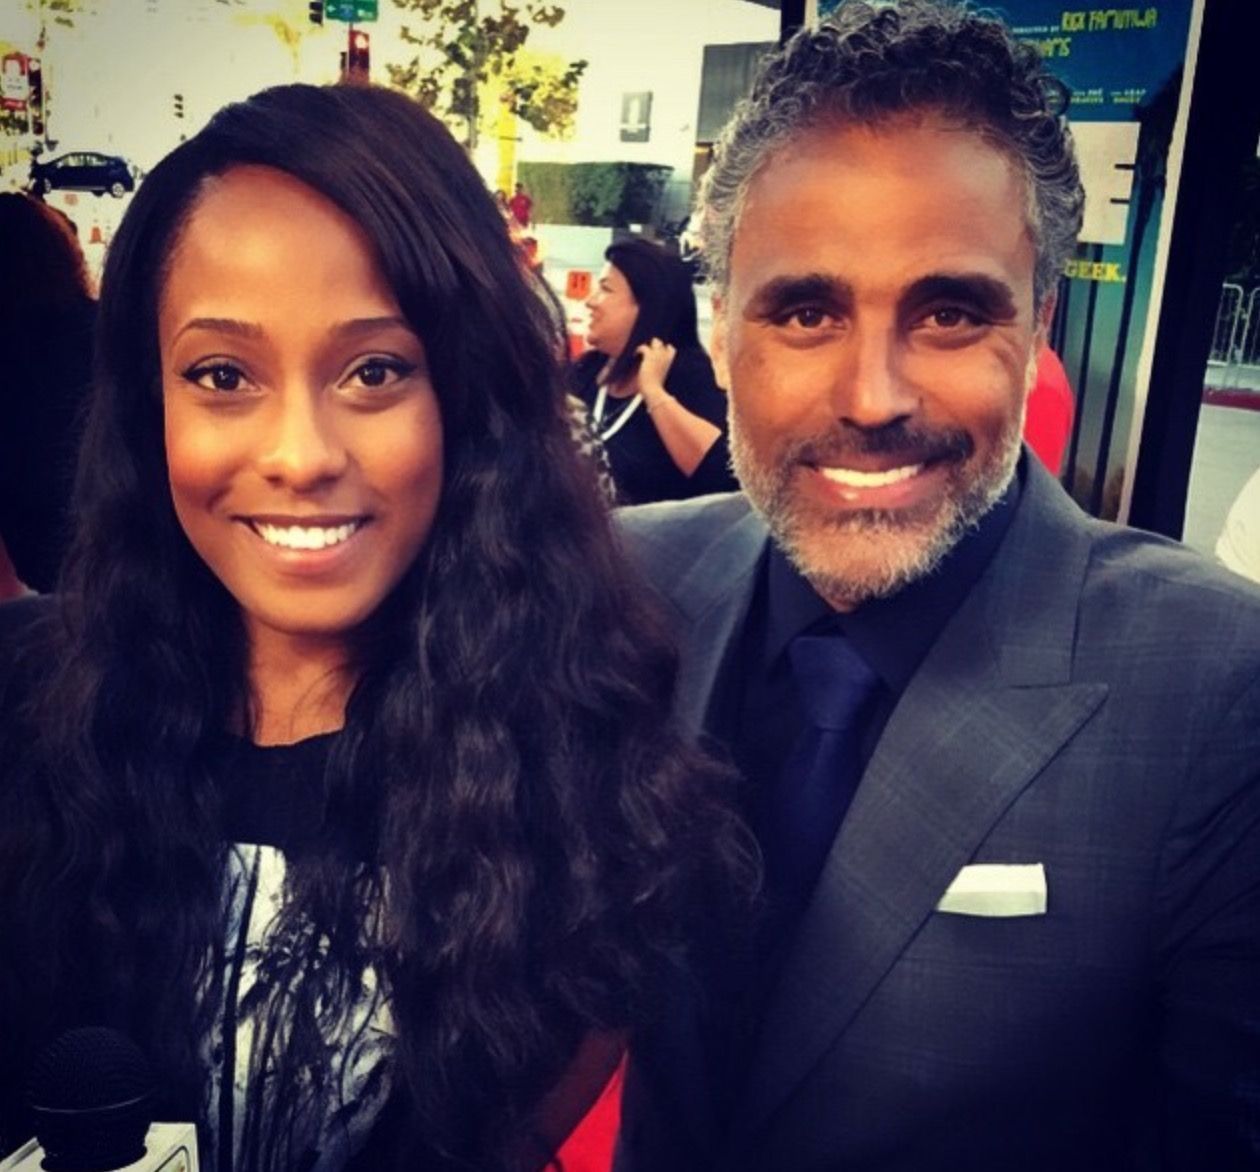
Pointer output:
x,y
892,634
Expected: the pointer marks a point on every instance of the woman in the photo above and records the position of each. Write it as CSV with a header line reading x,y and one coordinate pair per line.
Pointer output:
x,y
647,382
311,786
46,319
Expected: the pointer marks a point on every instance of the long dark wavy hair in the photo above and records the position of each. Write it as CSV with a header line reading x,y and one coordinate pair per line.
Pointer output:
x,y
662,286
545,843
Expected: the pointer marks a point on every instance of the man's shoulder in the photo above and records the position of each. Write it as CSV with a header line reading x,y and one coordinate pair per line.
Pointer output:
x,y
667,539
687,525
1165,576
1138,579
1156,609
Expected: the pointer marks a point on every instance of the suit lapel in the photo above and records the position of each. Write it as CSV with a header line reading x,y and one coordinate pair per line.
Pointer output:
x,y
991,704
713,598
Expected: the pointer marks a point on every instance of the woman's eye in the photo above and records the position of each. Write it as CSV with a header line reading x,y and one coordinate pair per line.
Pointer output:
x,y
380,372
216,376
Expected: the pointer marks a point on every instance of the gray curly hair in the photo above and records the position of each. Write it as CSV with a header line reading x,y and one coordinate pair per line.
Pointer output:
x,y
870,63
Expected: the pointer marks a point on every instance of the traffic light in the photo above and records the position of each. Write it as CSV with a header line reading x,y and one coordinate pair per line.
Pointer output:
x,y
35,96
358,58
179,106
315,10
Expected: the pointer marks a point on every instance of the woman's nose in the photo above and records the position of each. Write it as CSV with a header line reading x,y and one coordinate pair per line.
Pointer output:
x,y
304,447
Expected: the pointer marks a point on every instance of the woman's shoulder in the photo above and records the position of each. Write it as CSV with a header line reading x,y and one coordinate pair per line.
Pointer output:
x,y
691,380
26,634
694,364
23,620
583,372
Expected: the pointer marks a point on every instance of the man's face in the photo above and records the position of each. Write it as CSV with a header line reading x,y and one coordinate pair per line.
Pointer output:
x,y
878,339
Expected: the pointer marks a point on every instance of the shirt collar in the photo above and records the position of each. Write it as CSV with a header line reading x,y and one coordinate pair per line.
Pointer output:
x,y
892,634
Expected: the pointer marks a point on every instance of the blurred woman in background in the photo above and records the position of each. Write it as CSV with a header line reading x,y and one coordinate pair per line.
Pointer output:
x,y
46,319
647,382
308,784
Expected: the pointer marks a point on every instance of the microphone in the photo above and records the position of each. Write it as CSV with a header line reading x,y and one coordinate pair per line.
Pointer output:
x,y
91,1094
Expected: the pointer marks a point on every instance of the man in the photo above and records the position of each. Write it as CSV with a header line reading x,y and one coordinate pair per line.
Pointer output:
x,y
1032,940
521,206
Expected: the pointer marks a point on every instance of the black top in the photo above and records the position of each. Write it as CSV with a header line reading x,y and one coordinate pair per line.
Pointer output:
x,y
272,811
641,467
271,794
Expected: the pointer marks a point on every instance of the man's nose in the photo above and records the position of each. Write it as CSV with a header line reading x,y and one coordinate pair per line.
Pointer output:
x,y
303,447
871,389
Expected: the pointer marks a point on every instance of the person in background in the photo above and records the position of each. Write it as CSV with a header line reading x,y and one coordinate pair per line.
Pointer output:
x,y
46,321
307,782
521,206
1238,546
1050,411
1003,758
647,381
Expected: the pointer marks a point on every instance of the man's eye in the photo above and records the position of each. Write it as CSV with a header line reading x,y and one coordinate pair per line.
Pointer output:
x,y
806,317
216,376
951,317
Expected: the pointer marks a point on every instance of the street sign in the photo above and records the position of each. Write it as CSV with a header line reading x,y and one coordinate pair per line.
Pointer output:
x,y
351,11
15,82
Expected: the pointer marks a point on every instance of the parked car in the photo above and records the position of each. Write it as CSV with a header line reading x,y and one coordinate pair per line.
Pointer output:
x,y
84,171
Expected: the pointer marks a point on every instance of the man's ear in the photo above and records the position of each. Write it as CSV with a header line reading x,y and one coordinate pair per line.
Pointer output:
x,y
717,344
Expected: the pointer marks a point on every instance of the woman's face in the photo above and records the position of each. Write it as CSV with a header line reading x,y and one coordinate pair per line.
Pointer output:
x,y
613,312
303,434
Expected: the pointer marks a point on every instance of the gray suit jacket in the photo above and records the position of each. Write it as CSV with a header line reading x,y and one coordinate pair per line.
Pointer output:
x,y
1093,706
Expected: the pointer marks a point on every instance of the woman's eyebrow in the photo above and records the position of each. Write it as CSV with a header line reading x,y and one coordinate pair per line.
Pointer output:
x,y
993,297
222,325
367,325
249,329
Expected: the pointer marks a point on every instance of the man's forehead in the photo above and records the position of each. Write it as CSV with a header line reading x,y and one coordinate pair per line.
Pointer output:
x,y
922,193
912,148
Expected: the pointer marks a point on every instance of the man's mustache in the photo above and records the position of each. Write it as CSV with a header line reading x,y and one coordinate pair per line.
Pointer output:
x,y
912,444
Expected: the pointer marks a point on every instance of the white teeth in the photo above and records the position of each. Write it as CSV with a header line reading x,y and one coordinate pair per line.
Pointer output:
x,y
304,537
855,478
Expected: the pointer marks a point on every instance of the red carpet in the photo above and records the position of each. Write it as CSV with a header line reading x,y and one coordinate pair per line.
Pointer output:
x,y
590,1147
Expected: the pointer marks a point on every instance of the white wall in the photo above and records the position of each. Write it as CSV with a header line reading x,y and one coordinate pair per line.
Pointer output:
x,y
635,45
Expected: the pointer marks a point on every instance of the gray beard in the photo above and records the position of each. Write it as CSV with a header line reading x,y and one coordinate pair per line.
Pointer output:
x,y
912,547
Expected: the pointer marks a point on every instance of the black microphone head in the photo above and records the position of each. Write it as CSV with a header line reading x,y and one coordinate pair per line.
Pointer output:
x,y
91,1095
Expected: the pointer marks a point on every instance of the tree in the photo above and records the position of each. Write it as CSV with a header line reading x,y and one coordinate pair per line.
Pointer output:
x,y
464,57
60,12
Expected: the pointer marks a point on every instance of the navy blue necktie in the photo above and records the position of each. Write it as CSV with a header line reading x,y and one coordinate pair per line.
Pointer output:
x,y
822,771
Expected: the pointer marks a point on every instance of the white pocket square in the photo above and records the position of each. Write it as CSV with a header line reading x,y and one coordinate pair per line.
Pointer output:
x,y
997,889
